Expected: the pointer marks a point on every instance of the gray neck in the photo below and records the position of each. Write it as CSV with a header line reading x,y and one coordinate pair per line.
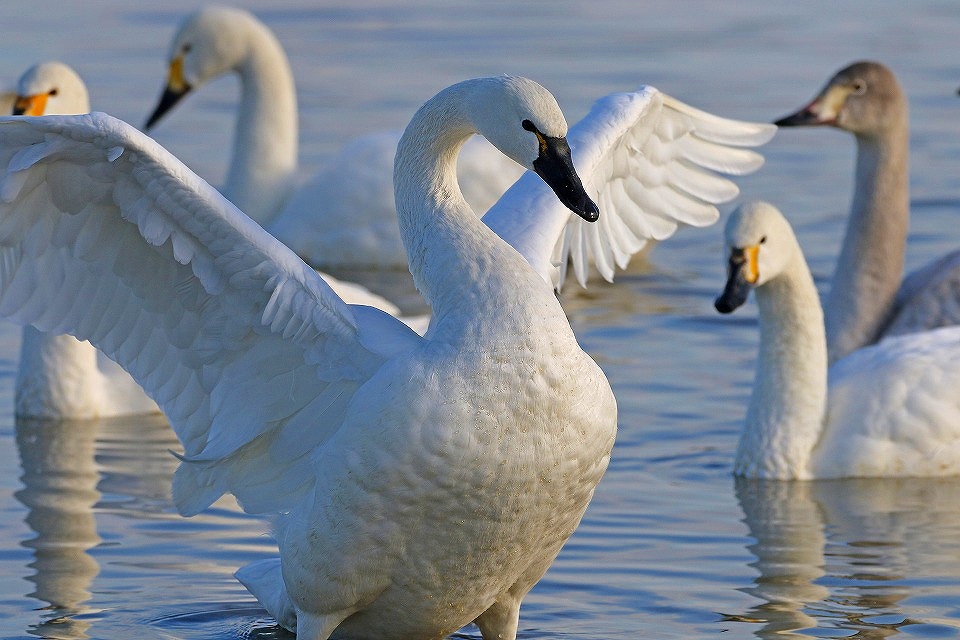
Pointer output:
x,y
787,406
870,267
264,157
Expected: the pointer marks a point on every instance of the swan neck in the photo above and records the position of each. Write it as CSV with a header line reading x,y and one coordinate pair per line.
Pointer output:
x,y
264,157
466,273
787,407
870,267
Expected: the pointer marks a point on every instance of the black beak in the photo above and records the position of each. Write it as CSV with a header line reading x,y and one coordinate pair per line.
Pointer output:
x,y
167,101
555,166
737,288
809,116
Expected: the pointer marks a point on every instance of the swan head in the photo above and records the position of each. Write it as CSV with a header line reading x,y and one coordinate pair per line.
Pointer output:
x,y
208,44
863,98
523,120
51,88
759,244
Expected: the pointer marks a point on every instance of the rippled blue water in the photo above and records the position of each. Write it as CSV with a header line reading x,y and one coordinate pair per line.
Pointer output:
x,y
671,547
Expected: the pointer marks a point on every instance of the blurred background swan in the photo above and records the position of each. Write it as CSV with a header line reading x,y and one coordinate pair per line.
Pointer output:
x,y
264,179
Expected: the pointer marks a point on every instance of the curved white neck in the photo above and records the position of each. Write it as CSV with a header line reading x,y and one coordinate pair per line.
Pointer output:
x,y
870,268
263,162
465,272
789,397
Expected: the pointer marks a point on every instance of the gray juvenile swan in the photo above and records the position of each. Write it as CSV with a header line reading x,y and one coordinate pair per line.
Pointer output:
x,y
888,409
417,483
867,299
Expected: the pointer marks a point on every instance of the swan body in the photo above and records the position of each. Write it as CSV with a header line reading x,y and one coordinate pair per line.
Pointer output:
x,y
262,179
867,299
60,377
887,409
417,483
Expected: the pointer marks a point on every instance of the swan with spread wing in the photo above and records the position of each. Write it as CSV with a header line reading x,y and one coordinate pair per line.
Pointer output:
x,y
418,483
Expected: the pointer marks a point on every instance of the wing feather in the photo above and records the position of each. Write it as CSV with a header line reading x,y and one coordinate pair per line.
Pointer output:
x,y
651,162
253,358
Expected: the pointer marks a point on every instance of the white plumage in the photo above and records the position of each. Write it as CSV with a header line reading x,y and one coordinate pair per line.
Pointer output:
x,y
421,484
650,159
888,409
60,377
650,162
280,392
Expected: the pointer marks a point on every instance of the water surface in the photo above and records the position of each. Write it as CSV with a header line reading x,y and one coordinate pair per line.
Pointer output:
x,y
672,546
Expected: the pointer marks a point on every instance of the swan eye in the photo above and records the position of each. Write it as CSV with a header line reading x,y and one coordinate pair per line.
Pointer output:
x,y
529,126
763,240
52,92
859,87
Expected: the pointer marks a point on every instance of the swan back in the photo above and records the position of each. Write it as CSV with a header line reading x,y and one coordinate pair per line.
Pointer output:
x,y
51,88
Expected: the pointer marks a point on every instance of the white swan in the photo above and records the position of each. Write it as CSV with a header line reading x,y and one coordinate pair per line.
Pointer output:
x,y
422,483
867,300
262,178
891,409
60,377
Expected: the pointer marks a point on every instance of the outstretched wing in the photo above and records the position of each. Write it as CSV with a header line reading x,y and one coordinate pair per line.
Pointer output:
x,y
106,236
651,162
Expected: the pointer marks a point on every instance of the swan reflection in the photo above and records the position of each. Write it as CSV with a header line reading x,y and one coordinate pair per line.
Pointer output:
x,y
849,555
60,489
67,468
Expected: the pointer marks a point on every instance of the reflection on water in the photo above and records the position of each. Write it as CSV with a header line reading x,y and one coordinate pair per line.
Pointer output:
x,y
97,495
60,489
841,555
